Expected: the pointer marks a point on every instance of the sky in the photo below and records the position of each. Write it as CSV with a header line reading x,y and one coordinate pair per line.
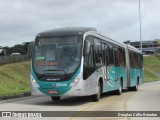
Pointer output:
x,y
22,20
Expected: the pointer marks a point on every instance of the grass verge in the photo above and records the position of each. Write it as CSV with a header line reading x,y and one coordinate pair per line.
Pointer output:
x,y
151,68
14,78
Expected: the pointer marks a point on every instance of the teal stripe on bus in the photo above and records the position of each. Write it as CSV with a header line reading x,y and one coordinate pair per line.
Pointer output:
x,y
46,86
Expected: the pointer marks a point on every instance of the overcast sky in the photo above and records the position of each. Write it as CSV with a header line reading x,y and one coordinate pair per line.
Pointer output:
x,y
22,20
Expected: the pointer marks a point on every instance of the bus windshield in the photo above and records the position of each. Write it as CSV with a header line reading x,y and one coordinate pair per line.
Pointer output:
x,y
57,56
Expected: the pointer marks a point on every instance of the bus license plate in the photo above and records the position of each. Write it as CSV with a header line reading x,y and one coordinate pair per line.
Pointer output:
x,y
53,91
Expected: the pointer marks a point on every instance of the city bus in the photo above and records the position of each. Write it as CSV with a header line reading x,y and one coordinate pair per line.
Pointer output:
x,y
79,61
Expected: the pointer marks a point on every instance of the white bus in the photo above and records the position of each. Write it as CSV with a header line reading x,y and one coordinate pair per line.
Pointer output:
x,y
78,61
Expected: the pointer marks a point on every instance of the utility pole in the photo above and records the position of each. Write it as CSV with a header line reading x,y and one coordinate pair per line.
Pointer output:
x,y
140,25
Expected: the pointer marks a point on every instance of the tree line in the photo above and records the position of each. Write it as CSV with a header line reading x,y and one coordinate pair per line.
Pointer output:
x,y
22,49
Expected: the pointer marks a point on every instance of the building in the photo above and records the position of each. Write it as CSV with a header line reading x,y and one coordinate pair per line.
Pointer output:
x,y
148,47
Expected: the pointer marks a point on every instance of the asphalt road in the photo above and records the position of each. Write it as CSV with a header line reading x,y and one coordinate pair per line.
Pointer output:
x,y
147,98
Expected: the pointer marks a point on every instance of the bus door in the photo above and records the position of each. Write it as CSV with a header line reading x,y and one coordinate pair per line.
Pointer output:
x,y
105,60
111,70
133,76
116,68
133,68
97,63
89,67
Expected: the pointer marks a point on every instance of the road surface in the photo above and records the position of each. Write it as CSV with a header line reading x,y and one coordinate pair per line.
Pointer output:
x,y
147,98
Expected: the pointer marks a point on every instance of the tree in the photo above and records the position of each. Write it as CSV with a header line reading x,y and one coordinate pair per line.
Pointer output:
x,y
22,49
2,53
7,50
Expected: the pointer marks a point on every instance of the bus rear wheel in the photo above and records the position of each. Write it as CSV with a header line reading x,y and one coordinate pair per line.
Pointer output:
x,y
55,98
119,91
135,88
96,97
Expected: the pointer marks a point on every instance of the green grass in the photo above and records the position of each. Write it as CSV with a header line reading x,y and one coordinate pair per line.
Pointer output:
x,y
151,60
14,78
158,41
149,76
151,68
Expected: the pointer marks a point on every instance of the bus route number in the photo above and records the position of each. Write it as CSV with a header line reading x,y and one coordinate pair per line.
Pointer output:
x,y
61,84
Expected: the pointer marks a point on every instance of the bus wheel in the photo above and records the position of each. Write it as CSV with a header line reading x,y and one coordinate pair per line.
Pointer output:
x,y
96,97
135,88
55,98
119,91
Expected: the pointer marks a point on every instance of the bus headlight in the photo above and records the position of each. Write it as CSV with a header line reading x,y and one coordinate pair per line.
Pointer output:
x,y
34,83
75,82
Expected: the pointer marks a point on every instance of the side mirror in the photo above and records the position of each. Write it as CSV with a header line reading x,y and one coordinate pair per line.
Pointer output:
x,y
87,46
30,50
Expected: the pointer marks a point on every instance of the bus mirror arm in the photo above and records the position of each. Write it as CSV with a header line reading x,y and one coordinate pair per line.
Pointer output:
x,y
30,50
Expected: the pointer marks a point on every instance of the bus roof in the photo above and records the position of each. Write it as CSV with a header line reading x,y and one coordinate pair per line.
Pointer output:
x,y
80,30
96,34
134,49
66,31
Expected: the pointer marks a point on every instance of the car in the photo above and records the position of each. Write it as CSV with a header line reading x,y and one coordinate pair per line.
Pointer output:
x,y
15,54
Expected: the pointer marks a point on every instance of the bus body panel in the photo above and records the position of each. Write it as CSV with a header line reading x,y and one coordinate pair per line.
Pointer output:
x,y
114,75
123,75
62,87
141,76
133,76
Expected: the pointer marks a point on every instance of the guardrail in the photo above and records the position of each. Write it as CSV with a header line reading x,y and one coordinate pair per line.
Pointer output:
x,y
12,59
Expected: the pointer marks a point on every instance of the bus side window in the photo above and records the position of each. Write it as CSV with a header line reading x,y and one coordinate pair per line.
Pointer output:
x,y
111,62
130,59
124,56
140,61
98,53
105,54
115,53
121,56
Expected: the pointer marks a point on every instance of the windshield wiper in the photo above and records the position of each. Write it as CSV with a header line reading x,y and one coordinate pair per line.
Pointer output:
x,y
58,70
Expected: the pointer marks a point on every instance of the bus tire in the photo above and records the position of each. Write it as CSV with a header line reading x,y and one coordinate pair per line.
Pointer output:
x,y
96,97
135,88
119,91
55,98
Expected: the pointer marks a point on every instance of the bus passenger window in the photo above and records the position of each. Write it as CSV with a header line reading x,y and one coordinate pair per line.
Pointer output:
x,y
98,52
110,54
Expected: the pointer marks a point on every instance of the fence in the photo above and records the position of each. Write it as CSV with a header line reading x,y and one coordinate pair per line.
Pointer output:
x,y
12,59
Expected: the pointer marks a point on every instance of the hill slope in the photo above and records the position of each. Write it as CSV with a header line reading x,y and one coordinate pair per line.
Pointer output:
x,y
14,78
151,68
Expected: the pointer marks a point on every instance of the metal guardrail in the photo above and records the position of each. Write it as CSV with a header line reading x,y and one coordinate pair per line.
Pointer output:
x,y
12,59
